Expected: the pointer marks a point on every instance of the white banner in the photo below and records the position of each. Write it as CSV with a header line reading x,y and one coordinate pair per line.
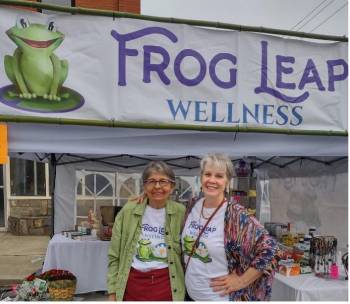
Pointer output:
x,y
97,68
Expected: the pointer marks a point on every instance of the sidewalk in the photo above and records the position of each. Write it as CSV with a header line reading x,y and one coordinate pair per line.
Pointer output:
x,y
22,255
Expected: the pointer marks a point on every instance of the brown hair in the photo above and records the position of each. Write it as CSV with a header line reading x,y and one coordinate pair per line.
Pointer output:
x,y
159,167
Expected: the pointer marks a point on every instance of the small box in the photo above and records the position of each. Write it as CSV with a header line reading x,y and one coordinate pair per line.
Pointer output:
x,y
108,214
289,270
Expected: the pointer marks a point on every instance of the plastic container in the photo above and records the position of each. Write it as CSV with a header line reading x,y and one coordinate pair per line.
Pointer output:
x,y
334,271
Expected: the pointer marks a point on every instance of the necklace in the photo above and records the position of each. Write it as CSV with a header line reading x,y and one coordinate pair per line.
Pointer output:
x,y
202,213
209,215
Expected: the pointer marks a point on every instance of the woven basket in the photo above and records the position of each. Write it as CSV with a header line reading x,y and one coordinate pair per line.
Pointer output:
x,y
62,290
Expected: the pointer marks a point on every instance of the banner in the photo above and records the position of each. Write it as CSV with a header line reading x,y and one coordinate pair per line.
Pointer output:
x,y
125,70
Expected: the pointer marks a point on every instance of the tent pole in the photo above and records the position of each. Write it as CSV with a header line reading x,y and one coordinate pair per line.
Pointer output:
x,y
166,126
53,165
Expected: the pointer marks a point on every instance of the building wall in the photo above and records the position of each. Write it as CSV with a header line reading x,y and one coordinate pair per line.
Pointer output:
x,y
28,8
30,216
30,207
130,6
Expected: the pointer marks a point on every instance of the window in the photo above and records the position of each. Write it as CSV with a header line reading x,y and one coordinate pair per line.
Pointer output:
x,y
28,178
183,191
94,189
130,185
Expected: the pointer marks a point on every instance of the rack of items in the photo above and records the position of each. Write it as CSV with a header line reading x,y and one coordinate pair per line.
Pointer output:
x,y
244,187
302,253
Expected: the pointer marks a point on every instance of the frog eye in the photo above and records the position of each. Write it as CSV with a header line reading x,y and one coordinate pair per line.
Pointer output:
x,y
51,26
22,22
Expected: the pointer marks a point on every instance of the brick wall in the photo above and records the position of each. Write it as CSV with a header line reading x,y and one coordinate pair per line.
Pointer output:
x,y
30,217
30,207
130,6
27,8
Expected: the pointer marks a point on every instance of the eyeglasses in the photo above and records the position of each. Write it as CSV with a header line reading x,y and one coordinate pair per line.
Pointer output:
x,y
162,182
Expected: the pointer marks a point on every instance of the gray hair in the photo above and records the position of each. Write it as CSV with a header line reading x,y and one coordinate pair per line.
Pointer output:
x,y
218,160
159,167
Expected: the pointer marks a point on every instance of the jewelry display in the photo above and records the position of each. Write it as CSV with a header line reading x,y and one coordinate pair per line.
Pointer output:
x,y
344,260
323,251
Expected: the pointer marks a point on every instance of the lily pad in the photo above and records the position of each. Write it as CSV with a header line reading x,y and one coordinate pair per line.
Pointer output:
x,y
70,100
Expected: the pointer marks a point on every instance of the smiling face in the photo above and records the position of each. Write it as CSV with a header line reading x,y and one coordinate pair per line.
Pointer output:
x,y
214,182
158,188
35,37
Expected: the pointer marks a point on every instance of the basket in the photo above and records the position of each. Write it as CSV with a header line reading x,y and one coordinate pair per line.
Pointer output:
x,y
62,290
61,284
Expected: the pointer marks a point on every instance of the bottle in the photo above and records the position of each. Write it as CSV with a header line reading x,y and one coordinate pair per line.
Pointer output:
x,y
312,231
334,271
307,239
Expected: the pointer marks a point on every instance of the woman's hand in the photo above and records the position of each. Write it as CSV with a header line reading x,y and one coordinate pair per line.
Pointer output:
x,y
138,199
233,282
226,284
112,297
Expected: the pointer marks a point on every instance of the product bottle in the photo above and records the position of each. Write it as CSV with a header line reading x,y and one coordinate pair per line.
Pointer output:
x,y
307,239
312,231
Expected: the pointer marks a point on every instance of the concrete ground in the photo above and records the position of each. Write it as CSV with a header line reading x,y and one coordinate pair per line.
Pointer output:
x,y
22,255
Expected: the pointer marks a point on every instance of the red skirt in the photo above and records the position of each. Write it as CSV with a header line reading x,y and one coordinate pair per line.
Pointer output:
x,y
152,285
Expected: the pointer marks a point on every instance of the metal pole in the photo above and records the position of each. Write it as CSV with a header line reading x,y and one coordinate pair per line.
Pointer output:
x,y
144,125
53,165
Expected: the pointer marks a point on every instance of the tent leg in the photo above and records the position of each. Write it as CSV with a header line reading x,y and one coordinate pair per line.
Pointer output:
x,y
53,164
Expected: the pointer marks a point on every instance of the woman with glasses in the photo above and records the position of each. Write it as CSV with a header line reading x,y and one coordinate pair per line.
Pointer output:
x,y
228,255
145,252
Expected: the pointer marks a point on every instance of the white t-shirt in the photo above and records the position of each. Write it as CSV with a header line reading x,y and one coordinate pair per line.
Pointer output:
x,y
209,260
151,250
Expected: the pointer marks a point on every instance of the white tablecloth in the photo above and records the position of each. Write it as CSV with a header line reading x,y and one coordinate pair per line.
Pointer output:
x,y
308,287
87,260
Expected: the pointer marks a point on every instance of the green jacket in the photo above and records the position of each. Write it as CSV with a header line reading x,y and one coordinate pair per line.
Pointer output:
x,y
126,232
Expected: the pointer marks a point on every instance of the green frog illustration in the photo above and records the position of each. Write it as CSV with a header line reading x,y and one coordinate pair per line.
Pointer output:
x,y
188,243
34,69
201,251
144,251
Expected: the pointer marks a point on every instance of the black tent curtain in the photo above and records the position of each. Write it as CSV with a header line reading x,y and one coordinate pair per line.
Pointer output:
x,y
190,162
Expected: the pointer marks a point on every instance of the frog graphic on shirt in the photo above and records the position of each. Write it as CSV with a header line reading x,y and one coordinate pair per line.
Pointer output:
x,y
144,250
147,253
188,242
201,251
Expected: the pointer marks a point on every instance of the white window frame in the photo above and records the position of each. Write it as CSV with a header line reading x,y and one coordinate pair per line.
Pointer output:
x,y
94,197
136,178
33,197
7,191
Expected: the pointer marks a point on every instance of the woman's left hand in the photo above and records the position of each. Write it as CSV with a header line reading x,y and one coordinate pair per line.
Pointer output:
x,y
138,199
226,284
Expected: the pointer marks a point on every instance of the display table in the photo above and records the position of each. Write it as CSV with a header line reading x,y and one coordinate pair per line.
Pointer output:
x,y
87,260
308,287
